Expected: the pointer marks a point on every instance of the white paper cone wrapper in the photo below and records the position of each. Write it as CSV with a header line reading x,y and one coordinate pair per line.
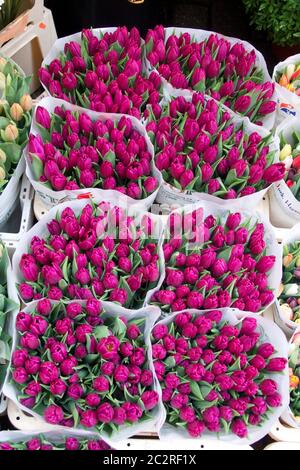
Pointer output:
x,y
272,247
270,333
285,208
200,35
288,102
54,437
172,196
51,197
116,199
58,46
151,315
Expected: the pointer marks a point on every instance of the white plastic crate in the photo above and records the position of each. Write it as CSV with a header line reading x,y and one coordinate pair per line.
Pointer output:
x,y
29,48
21,219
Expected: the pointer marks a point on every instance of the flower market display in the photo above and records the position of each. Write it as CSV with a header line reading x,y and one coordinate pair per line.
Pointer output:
x,y
101,70
289,78
222,68
289,298
158,293
46,443
200,147
217,259
8,304
70,150
77,365
217,374
95,250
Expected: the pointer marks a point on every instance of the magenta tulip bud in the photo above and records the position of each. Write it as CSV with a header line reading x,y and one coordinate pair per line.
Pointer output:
x,y
274,173
239,428
20,375
88,419
186,178
274,400
219,268
265,264
90,79
44,76
69,81
29,268
53,414
213,69
44,307
198,79
42,117
149,399
55,293
242,104
276,364
105,413
227,89
267,107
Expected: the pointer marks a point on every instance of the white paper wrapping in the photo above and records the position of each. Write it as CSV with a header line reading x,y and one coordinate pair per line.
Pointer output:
x,y
151,315
116,199
270,333
51,198
200,35
272,247
288,326
284,207
172,196
288,102
288,416
54,437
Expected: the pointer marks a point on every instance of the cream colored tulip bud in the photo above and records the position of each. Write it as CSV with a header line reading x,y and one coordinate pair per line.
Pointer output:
x,y
297,321
296,339
2,81
2,173
288,161
2,156
286,311
285,152
3,63
291,290
11,133
26,103
16,112
280,290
